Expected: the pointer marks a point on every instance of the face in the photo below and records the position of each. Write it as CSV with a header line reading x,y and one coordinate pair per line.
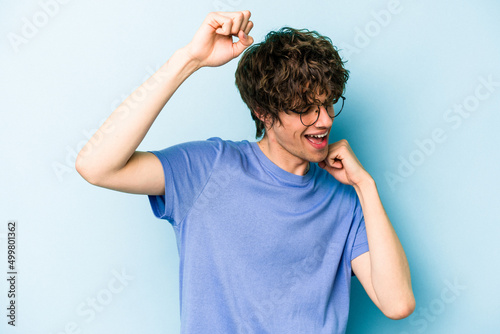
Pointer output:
x,y
293,142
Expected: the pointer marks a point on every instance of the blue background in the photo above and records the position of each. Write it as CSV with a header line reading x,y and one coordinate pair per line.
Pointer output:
x,y
413,64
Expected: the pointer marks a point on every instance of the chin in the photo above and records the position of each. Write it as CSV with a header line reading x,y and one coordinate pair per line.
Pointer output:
x,y
318,158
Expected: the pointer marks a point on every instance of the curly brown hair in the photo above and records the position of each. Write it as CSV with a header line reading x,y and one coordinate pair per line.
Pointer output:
x,y
287,71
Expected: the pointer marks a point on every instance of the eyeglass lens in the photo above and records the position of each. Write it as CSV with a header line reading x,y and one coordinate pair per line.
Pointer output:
x,y
311,116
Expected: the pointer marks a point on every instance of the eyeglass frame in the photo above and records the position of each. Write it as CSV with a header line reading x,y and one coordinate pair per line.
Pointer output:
x,y
300,113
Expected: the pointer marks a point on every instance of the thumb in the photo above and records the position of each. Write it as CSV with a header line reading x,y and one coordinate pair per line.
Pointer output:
x,y
243,42
336,164
324,165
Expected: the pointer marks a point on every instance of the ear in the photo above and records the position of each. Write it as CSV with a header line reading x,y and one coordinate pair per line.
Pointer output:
x,y
266,119
260,115
263,117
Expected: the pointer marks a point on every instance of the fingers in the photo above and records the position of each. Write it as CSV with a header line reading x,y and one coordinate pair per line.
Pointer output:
x,y
248,27
327,164
234,24
220,23
340,155
244,42
336,164
230,23
337,152
238,23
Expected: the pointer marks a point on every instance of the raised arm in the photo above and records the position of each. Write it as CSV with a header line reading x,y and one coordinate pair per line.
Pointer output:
x,y
383,270
109,159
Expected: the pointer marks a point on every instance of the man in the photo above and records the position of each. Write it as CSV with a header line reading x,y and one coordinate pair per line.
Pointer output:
x,y
269,233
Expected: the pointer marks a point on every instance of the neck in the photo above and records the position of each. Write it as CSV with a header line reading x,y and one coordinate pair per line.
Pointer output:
x,y
281,158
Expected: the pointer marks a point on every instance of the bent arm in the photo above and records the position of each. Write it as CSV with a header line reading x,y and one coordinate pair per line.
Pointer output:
x,y
112,146
383,271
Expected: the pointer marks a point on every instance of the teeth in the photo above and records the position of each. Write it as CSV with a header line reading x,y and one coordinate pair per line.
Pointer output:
x,y
318,136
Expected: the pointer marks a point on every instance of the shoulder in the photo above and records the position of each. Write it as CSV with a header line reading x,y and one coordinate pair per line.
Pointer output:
x,y
208,150
194,148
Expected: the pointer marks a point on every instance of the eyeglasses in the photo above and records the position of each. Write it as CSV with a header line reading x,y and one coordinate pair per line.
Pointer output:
x,y
311,114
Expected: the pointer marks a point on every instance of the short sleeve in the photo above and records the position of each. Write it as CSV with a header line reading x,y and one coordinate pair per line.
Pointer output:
x,y
360,244
187,168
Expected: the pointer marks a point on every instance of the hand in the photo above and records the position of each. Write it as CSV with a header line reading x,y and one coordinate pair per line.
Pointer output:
x,y
342,164
212,45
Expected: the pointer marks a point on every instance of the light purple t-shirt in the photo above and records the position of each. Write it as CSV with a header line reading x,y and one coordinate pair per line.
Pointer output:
x,y
261,250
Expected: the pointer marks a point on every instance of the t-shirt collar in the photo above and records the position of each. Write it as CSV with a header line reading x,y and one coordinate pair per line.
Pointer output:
x,y
280,173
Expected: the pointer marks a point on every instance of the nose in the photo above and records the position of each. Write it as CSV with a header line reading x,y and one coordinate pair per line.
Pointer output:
x,y
324,120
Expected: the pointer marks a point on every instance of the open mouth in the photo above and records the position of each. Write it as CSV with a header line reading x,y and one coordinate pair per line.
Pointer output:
x,y
318,141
